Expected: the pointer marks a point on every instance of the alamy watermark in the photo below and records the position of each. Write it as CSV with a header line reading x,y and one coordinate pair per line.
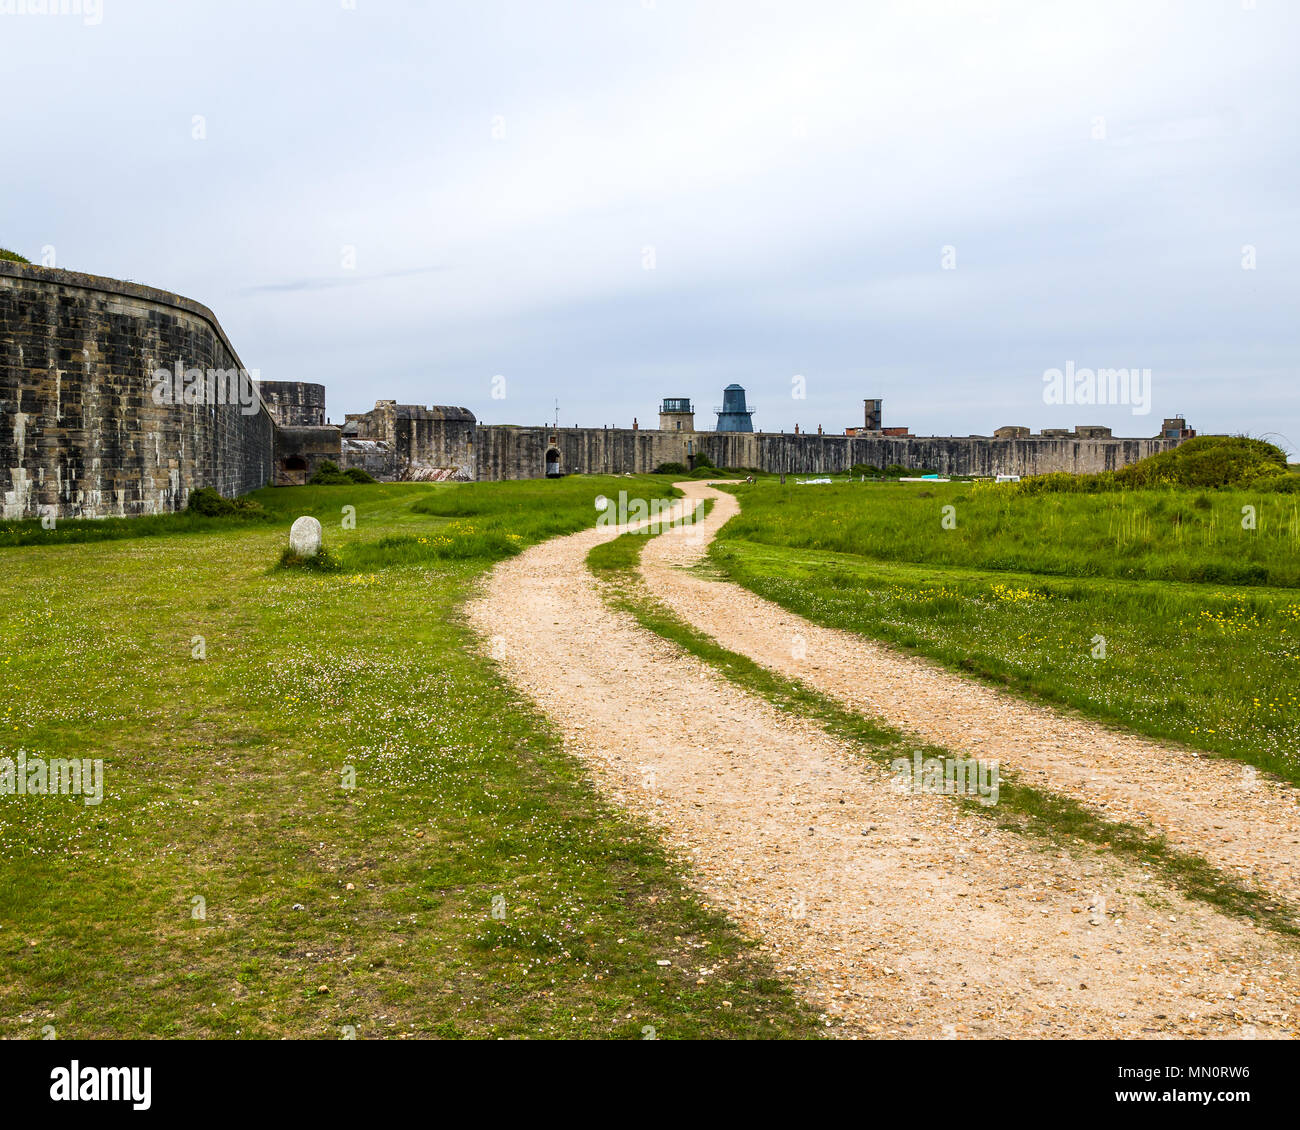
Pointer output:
x,y
1131,387
180,385
947,776
90,11
657,513
76,1083
34,776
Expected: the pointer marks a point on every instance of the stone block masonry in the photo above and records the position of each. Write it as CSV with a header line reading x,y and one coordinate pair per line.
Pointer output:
x,y
294,404
949,455
505,452
81,434
425,442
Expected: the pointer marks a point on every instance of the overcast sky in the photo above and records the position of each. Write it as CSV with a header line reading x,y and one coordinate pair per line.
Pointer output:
x,y
503,172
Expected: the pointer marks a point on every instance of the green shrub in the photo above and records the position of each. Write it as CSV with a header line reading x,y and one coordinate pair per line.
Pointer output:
x,y
13,257
210,504
671,469
864,469
329,475
702,460
1278,484
895,470
1204,462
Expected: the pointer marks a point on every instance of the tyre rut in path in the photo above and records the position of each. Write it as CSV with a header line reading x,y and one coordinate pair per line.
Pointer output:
x,y
1243,823
894,914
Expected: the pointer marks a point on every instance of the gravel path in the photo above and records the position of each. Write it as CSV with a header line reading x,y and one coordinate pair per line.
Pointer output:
x,y
1221,810
895,914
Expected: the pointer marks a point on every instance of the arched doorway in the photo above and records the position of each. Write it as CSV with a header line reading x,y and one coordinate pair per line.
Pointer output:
x,y
552,463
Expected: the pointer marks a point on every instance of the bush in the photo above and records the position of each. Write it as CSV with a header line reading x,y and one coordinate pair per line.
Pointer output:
x,y
210,504
864,469
13,257
671,469
895,470
329,475
704,461
1278,484
1207,461
1204,462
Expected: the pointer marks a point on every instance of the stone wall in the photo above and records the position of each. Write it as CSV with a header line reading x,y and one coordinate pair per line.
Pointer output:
x,y
425,441
374,456
81,434
294,404
505,452
299,452
955,455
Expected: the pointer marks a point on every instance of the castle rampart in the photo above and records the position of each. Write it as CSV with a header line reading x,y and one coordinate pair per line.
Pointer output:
x,y
952,455
82,433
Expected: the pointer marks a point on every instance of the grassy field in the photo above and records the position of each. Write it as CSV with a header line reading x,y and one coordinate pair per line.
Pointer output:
x,y
339,819
1026,589
1178,535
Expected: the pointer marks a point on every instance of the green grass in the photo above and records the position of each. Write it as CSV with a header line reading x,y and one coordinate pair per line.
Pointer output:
x,y
1164,535
1211,668
497,520
1209,665
1049,817
13,256
74,531
327,906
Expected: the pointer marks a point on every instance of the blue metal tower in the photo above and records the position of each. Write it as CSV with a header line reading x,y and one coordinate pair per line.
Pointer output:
x,y
733,416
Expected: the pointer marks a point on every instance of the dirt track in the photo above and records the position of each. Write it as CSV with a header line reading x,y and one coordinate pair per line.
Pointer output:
x,y
896,914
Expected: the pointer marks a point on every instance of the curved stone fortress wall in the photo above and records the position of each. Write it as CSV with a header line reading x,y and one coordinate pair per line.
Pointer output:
x,y
80,432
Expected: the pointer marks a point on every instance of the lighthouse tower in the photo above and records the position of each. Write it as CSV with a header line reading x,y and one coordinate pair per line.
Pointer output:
x,y
733,416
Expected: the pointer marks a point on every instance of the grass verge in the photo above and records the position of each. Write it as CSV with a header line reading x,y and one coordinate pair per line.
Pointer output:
x,y
1213,668
1219,537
